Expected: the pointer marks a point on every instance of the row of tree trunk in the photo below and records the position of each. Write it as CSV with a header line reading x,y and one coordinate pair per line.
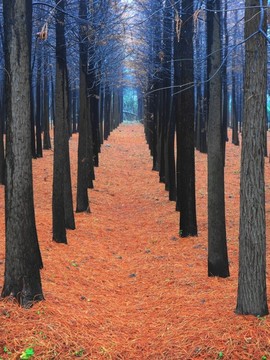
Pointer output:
x,y
177,114
24,119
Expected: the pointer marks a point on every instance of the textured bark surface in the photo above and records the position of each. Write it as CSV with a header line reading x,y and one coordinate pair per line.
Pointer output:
x,y
2,150
185,130
59,229
252,250
63,216
23,259
46,135
38,104
217,244
83,155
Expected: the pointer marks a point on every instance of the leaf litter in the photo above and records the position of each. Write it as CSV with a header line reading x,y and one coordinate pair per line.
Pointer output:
x,y
126,286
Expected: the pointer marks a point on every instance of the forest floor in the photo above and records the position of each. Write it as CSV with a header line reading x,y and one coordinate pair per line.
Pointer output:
x,y
126,286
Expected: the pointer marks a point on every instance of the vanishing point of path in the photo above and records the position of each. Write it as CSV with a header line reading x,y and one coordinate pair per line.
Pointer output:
x,y
126,286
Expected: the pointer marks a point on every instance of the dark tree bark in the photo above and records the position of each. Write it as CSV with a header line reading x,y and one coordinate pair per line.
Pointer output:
x,y
184,74
107,113
2,146
38,112
63,216
93,92
225,43
68,200
161,135
217,245
23,258
151,127
84,123
170,152
95,126
167,113
89,144
74,111
234,105
46,136
251,297
235,135
200,53
53,100
101,113
152,100
32,123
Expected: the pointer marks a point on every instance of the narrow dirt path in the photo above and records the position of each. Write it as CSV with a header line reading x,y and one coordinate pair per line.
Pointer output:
x,y
126,286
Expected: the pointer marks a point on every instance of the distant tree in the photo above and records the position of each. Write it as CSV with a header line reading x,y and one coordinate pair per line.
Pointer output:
x,y
251,297
107,111
152,100
217,245
23,258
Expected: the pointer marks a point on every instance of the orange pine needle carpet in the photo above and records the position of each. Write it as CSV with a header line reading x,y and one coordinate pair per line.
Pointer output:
x,y
126,286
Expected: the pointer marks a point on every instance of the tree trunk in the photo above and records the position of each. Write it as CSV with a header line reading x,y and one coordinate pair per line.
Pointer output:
x,y
46,137
217,246
107,113
2,145
185,127
23,258
252,298
74,110
38,112
83,155
63,216
234,103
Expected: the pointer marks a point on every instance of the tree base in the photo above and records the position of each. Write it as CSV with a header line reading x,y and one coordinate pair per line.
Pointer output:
x,y
26,292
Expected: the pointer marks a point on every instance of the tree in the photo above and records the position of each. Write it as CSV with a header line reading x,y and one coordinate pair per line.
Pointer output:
x,y
251,297
63,216
23,258
38,112
184,76
217,245
46,120
200,53
168,116
83,152
2,145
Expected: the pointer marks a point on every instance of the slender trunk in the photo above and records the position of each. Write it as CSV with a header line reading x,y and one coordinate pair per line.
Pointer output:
x,y
63,216
2,147
217,245
46,137
185,118
38,112
83,154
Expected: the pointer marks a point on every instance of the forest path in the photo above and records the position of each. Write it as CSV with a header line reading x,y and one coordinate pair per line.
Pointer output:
x,y
130,259
126,287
